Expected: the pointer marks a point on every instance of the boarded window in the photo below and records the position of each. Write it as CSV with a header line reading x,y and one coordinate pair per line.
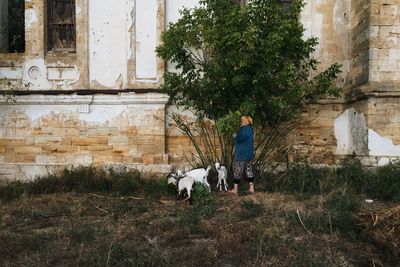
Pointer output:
x,y
12,26
61,26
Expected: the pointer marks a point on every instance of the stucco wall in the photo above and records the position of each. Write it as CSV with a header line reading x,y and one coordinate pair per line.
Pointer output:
x,y
115,51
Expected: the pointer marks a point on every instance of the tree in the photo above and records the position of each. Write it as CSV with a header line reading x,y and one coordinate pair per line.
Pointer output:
x,y
249,58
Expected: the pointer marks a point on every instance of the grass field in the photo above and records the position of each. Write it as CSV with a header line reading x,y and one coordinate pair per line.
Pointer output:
x,y
146,226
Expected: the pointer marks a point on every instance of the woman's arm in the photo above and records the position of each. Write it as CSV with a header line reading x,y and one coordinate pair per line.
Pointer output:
x,y
243,134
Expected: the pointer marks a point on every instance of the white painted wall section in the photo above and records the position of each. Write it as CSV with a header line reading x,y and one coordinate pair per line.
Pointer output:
x,y
107,43
351,133
380,146
172,15
173,7
146,39
313,22
342,134
353,137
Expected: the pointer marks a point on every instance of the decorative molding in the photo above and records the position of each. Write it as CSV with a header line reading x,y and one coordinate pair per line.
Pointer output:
x,y
98,99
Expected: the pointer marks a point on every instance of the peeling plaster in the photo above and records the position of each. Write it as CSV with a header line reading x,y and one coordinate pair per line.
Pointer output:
x,y
313,22
146,39
107,43
130,7
31,17
351,133
380,146
353,138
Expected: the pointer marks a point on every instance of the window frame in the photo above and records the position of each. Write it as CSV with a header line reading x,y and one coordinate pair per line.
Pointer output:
x,y
50,48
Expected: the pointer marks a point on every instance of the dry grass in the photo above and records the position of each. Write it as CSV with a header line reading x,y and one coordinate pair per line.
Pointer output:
x,y
383,227
85,229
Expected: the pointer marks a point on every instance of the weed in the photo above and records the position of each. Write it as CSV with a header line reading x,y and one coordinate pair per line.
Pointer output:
x,y
343,199
302,179
352,174
343,204
11,190
268,244
89,179
81,233
33,241
204,204
384,184
201,196
315,222
250,209
116,254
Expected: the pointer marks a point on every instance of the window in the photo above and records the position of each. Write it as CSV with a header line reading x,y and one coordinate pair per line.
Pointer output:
x,y
12,26
61,26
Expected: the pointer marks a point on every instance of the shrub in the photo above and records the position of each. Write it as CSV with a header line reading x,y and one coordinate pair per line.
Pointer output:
x,y
303,179
88,179
342,205
384,184
352,174
11,190
204,204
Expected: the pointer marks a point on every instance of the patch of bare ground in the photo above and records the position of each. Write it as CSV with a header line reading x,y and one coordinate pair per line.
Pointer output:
x,y
85,229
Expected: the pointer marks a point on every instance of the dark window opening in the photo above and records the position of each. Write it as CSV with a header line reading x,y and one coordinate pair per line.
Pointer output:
x,y
12,26
61,26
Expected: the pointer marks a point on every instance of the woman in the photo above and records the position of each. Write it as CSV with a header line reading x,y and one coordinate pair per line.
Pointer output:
x,y
244,153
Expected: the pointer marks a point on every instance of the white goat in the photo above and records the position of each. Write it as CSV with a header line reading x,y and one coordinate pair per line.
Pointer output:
x,y
199,175
222,177
183,182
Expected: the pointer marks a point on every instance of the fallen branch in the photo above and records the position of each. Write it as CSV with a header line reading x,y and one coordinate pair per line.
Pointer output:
x,y
308,231
103,210
117,198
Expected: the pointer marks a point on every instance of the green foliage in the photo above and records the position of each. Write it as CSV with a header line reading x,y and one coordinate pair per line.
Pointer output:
x,y
252,58
204,205
11,190
352,174
384,184
316,222
89,179
201,196
230,123
303,179
343,203
243,59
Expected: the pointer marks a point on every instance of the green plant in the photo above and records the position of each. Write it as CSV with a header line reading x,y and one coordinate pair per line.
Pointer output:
x,y
384,183
303,179
251,59
316,221
11,190
203,205
201,196
230,123
352,174
89,179
268,244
